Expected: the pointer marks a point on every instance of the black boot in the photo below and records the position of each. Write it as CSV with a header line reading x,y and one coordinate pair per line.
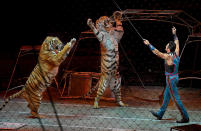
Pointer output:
x,y
156,115
183,120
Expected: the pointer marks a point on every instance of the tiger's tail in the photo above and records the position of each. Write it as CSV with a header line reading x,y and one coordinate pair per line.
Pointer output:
x,y
11,97
91,90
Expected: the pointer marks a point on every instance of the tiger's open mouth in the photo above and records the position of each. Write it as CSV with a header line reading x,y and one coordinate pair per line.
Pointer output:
x,y
59,47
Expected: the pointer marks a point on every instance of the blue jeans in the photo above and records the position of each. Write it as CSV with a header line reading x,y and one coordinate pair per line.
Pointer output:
x,y
171,91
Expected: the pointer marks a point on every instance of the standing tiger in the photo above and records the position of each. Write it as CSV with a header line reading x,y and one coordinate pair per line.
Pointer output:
x,y
52,54
109,38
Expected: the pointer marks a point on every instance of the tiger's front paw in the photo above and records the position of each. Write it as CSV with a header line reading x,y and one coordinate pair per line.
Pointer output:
x,y
73,41
89,22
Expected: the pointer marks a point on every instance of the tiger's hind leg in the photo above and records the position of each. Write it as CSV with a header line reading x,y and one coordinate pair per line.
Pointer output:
x,y
34,111
103,83
115,87
96,102
33,105
36,115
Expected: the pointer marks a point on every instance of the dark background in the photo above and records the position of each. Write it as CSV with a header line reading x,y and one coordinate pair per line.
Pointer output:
x,y
28,23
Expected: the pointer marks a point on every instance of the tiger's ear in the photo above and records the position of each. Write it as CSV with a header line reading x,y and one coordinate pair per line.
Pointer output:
x,y
46,45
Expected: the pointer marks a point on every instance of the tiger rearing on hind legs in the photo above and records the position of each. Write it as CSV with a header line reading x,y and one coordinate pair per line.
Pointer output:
x,y
52,54
109,38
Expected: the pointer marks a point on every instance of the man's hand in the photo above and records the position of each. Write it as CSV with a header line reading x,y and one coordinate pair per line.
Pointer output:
x,y
146,42
174,30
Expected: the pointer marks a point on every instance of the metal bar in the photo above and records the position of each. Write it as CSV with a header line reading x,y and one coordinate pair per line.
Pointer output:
x,y
193,41
156,16
154,13
192,17
87,38
161,21
129,11
184,21
184,47
194,61
11,78
198,78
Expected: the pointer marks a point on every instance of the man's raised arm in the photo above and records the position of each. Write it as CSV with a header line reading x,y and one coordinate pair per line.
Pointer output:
x,y
155,51
176,41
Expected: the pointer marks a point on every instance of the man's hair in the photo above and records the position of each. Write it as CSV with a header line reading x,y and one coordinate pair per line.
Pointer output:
x,y
172,46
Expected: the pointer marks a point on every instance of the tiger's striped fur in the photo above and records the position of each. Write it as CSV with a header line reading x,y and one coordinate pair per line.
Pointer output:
x,y
109,38
50,57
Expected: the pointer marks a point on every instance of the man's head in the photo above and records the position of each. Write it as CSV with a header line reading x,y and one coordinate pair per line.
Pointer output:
x,y
170,47
103,23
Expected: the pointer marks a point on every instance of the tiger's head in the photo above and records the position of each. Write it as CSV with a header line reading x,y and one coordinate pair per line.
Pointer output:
x,y
103,23
52,44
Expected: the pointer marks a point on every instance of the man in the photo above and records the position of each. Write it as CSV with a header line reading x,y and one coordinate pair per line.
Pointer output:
x,y
109,38
171,71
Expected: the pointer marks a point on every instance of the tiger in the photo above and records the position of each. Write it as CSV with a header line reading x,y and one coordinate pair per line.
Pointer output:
x,y
109,38
51,55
